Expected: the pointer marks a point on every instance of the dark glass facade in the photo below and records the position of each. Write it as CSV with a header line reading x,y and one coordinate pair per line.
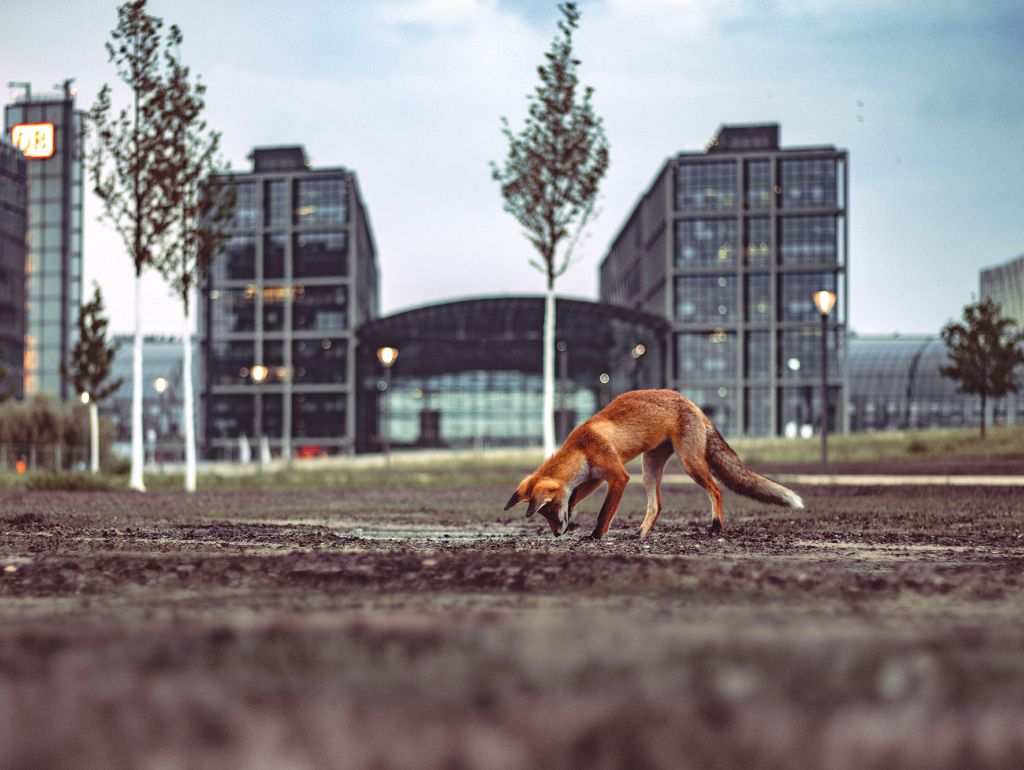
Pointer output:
x,y
13,227
53,264
297,274
753,231
468,373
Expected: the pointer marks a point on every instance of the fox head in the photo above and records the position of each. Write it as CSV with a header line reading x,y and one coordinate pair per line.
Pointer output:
x,y
546,496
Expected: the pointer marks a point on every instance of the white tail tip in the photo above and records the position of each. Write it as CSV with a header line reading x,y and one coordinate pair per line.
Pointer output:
x,y
795,501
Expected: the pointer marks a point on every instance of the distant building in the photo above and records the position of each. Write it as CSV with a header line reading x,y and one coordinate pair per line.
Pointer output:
x,y
1005,284
297,276
729,245
48,129
468,372
13,227
162,396
895,384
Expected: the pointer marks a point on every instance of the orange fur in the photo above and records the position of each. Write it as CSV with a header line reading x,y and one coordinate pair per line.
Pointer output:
x,y
657,424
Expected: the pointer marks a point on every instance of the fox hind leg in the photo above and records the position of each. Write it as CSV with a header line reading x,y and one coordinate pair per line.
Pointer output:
x,y
653,467
699,471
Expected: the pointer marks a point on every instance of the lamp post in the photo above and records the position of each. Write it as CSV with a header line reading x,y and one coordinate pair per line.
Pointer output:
x,y
824,301
259,374
636,354
387,357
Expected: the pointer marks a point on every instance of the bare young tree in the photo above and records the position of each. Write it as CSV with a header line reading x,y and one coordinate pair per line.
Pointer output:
x,y
550,179
88,369
984,350
128,163
206,203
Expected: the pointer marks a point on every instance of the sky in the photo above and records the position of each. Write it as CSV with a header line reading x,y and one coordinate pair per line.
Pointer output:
x,y
926,96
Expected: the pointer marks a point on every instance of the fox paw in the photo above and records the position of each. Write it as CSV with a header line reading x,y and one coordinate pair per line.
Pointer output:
x,y
716,527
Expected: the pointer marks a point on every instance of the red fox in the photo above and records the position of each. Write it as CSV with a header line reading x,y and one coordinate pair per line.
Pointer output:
x,y
657,423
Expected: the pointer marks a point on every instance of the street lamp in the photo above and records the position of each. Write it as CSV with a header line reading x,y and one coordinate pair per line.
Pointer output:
x,y
387,357
258,373
824,301
636,353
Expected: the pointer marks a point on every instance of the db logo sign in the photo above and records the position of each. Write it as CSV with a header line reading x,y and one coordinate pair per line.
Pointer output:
x,y
33,139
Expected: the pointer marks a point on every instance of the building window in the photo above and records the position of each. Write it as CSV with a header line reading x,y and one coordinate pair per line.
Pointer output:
x,y
320,308
231,415
233,310
800,409
757,298
800,354
796,292
706,356
274,308
706,186
247,213
321,201
320,361
275,203
321,254
808,240
757,412
272,415
273,359
757,238
808,182
706,242
706,298
273,255
757,180
757,361
237,260
230,361
318,415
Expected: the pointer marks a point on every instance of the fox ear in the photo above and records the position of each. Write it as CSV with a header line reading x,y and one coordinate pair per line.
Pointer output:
x,y
514,500
536,504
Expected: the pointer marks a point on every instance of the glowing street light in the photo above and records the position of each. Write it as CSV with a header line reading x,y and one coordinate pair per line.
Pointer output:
x,y
387,357
824,301
160,385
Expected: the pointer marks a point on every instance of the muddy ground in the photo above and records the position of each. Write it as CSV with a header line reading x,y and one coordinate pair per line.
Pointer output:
x,y
419,626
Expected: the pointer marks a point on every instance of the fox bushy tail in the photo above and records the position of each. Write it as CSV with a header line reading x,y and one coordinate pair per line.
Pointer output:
x,y
730,470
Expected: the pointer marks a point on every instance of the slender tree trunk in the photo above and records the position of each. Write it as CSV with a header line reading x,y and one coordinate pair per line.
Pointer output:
x,y
983,399
548,404
190,430
138,458
94,437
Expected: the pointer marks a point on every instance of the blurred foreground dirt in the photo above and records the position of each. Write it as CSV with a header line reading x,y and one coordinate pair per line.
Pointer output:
x,y
422,627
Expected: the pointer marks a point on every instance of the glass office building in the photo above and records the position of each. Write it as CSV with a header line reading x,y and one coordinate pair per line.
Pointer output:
x,y
13,226
48,130
296,277
468,372
729,245
1005,284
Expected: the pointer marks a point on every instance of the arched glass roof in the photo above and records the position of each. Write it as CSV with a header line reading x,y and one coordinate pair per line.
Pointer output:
x,y
504,333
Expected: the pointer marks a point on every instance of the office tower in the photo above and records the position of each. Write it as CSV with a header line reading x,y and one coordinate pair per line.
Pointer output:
x,y
13,225
729,244
297,276
1005,284
48,130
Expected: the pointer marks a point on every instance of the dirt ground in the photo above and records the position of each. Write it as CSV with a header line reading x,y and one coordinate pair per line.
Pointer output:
x,y
419,626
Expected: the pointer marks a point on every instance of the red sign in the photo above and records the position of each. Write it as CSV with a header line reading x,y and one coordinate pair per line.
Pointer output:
x,y
33,139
